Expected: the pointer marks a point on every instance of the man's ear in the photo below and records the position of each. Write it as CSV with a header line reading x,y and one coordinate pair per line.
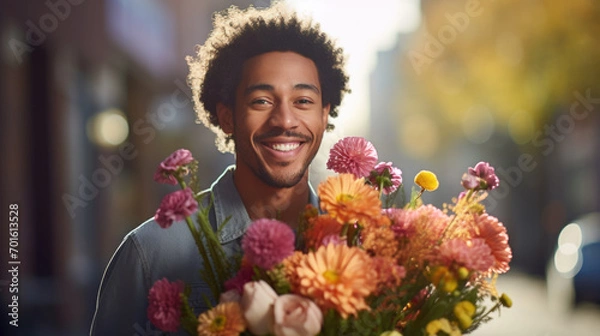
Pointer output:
x,y
225,117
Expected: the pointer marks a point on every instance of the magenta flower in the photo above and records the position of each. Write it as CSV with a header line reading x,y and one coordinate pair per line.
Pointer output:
x,y
164,304
475,255
485,172
170,165
387,175
354,155
175,206
243,276
469,181
267,242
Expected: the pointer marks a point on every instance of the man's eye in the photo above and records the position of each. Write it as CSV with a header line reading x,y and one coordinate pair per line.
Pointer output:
x,y
304,101
260,102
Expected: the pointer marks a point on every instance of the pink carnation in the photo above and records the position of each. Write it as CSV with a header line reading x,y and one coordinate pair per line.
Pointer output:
x,y
175,206
474,254
354,155
486,173
392,177
267,242
166,169
164,304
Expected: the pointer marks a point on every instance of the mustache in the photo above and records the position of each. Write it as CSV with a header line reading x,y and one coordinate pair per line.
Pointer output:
x,y
275,132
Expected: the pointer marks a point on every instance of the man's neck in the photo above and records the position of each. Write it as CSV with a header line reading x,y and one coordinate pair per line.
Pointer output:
x,y
264,201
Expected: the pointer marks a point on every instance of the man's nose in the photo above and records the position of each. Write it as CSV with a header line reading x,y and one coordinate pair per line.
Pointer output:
x,y
283,116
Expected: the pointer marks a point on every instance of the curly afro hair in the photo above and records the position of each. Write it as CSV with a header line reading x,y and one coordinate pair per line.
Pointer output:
x,y
238,35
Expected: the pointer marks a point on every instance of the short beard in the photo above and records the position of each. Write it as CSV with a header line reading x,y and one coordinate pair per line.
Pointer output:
x,y
281,183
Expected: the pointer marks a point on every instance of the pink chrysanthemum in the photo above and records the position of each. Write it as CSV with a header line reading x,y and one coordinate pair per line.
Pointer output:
x,y
473,254
391,176
166,169
267,242
402,221
175,206
495,236
353,155
164,304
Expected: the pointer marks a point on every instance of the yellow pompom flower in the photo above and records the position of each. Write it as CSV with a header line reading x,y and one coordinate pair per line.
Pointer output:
x,y
427,180
443,279
505,300
443,325
465,307
464,311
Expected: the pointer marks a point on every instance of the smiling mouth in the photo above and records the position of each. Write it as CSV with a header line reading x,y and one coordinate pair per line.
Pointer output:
x,y
285,147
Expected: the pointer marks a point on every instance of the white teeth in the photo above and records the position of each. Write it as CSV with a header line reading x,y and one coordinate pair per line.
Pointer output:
x,y
286,147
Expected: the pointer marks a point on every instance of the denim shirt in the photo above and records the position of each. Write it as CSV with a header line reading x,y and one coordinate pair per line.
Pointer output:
x,y
149,253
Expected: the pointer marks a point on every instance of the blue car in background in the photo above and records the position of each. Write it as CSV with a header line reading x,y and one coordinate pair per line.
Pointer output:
x,y
575,266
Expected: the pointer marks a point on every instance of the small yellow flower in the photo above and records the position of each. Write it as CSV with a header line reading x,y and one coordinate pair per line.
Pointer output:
x,y
505,300
464,307
443,279
464,321
444,325
463,273
427,180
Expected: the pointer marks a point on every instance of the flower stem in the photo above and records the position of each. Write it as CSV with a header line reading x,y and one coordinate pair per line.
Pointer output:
x,y
212,282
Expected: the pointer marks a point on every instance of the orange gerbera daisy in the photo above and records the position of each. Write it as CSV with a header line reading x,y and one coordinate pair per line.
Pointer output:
x,y
348,199
290,264
338,277
225,319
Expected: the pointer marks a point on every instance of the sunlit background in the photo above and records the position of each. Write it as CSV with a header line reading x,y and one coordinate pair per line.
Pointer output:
x,y
93,96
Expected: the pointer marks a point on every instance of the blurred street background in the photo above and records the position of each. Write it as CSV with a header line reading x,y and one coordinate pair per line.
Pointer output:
x,y
93,96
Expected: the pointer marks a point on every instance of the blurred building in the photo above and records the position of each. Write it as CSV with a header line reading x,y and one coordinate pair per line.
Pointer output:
x,y
94,96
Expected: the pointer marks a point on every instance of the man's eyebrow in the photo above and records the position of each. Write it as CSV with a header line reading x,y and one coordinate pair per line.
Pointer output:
x,y
269,87
311,87
258,87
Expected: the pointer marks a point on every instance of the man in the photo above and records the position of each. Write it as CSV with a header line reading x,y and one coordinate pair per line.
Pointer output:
x,y
266,82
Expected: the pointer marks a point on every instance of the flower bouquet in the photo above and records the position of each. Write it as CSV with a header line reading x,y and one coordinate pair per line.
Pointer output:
x,y
356,266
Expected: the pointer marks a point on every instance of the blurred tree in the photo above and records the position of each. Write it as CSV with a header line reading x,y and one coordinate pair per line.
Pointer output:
x,y
518,61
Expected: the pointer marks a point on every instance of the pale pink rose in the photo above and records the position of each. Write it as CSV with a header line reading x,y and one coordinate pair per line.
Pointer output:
x,y
166,169
175,206
257,306
296,316
231,295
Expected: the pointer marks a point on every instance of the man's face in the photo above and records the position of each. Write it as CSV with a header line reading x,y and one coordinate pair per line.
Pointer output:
x,y
279,119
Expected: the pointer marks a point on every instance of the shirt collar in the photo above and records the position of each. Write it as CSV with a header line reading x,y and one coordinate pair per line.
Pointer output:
x,y
228,203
